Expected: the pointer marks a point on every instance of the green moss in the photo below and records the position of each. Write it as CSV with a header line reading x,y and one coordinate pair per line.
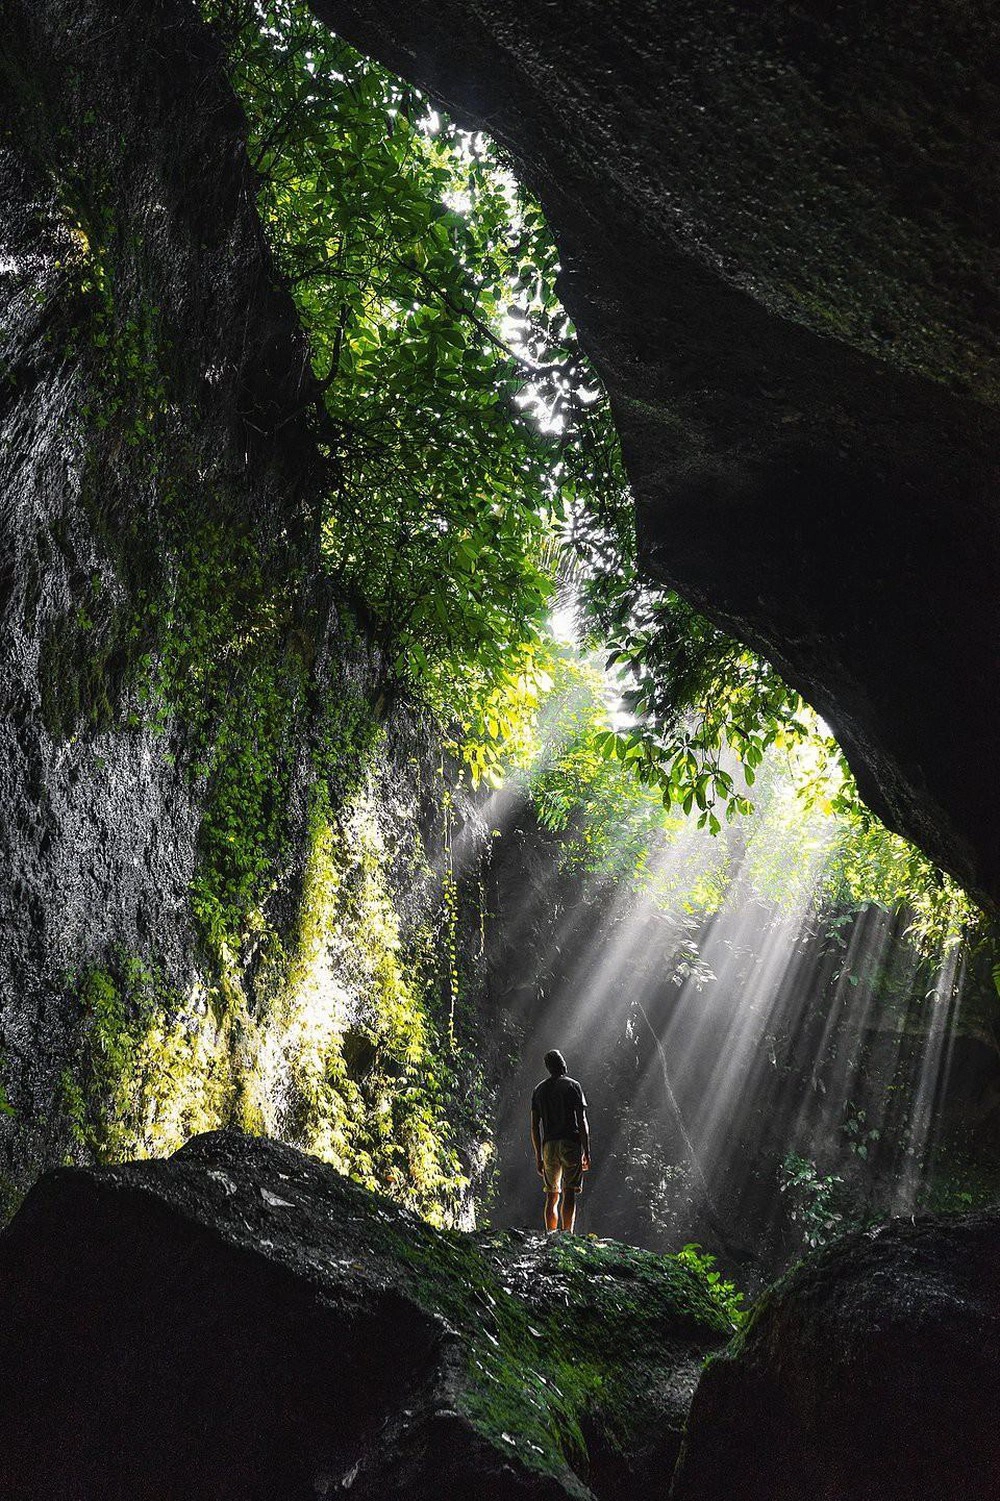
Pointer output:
x,y
90,654
561,1340
357,1033
84,664
152,1067
348,1047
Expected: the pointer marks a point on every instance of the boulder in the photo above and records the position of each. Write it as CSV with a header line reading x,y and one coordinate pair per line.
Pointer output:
x,y
869,1373
241,1321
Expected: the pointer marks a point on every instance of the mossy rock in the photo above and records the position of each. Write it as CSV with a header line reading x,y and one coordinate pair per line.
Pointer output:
x,y
868,1373
241,1320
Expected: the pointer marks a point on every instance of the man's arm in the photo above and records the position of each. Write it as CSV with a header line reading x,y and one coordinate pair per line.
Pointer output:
x,y
536,1139
585,1137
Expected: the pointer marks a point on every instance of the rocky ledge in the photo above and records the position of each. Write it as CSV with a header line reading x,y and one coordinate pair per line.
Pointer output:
x,y
241,1321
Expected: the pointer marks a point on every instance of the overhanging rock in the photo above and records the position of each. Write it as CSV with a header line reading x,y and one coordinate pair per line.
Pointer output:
x,y
778,230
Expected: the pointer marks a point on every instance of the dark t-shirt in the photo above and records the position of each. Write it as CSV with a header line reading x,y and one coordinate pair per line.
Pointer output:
x,y
560,1104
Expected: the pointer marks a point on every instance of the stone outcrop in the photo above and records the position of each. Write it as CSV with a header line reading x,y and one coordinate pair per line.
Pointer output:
x,y
776,227
241,1321
868,1374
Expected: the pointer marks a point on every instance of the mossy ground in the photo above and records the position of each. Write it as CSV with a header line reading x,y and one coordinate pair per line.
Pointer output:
x,y
570,1342
559,1352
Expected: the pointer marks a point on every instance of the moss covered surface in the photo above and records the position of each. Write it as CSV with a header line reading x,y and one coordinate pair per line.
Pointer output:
x,y
346,1045
579,1357
152,1067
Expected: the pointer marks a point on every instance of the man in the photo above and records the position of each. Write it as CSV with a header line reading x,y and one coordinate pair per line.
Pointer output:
x,y
560,1136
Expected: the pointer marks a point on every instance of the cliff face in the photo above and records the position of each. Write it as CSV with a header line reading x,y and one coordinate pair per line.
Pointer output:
x,y
228,889
121,277
776,229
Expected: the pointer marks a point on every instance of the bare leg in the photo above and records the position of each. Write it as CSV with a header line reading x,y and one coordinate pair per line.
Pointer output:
x,y
551,1211
568,1208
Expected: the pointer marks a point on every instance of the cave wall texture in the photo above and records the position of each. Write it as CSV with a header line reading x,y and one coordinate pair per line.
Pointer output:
x,y
778,232
114,269
228,888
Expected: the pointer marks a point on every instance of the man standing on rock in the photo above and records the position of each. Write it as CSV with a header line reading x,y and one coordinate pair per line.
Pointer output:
x,y
560,1136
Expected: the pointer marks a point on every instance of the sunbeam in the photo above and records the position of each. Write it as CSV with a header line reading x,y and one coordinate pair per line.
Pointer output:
x,y
757,1053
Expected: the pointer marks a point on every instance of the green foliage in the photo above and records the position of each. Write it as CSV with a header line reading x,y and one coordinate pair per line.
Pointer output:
x,y
362,1039
605,813
816,1201
151,1068
596,788
702,710
91,1096
861,1138
696,696
412,258
722,1291
536,1380
609,822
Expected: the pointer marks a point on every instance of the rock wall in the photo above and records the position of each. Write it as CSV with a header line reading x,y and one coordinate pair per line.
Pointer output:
x,y
228,893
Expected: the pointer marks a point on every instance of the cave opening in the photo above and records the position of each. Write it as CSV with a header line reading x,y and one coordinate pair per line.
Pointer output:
x,y
766,986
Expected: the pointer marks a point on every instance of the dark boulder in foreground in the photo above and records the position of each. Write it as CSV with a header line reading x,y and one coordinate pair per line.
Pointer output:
x,y
870,1373
241,1321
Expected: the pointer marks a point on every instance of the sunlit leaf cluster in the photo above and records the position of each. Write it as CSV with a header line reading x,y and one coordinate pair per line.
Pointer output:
x,y
425,283
810,839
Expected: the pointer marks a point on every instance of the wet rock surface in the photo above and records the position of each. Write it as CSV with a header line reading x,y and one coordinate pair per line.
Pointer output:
x,y
868,1374
777,229
152,378
241,1321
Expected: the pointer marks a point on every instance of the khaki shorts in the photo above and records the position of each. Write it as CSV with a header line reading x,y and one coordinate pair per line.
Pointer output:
x,y
562,1166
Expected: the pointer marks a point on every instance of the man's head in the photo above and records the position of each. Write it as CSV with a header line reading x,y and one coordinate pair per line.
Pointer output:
x,y
555,1062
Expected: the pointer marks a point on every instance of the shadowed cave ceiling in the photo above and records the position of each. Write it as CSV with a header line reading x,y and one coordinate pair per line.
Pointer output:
x,y
778,232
